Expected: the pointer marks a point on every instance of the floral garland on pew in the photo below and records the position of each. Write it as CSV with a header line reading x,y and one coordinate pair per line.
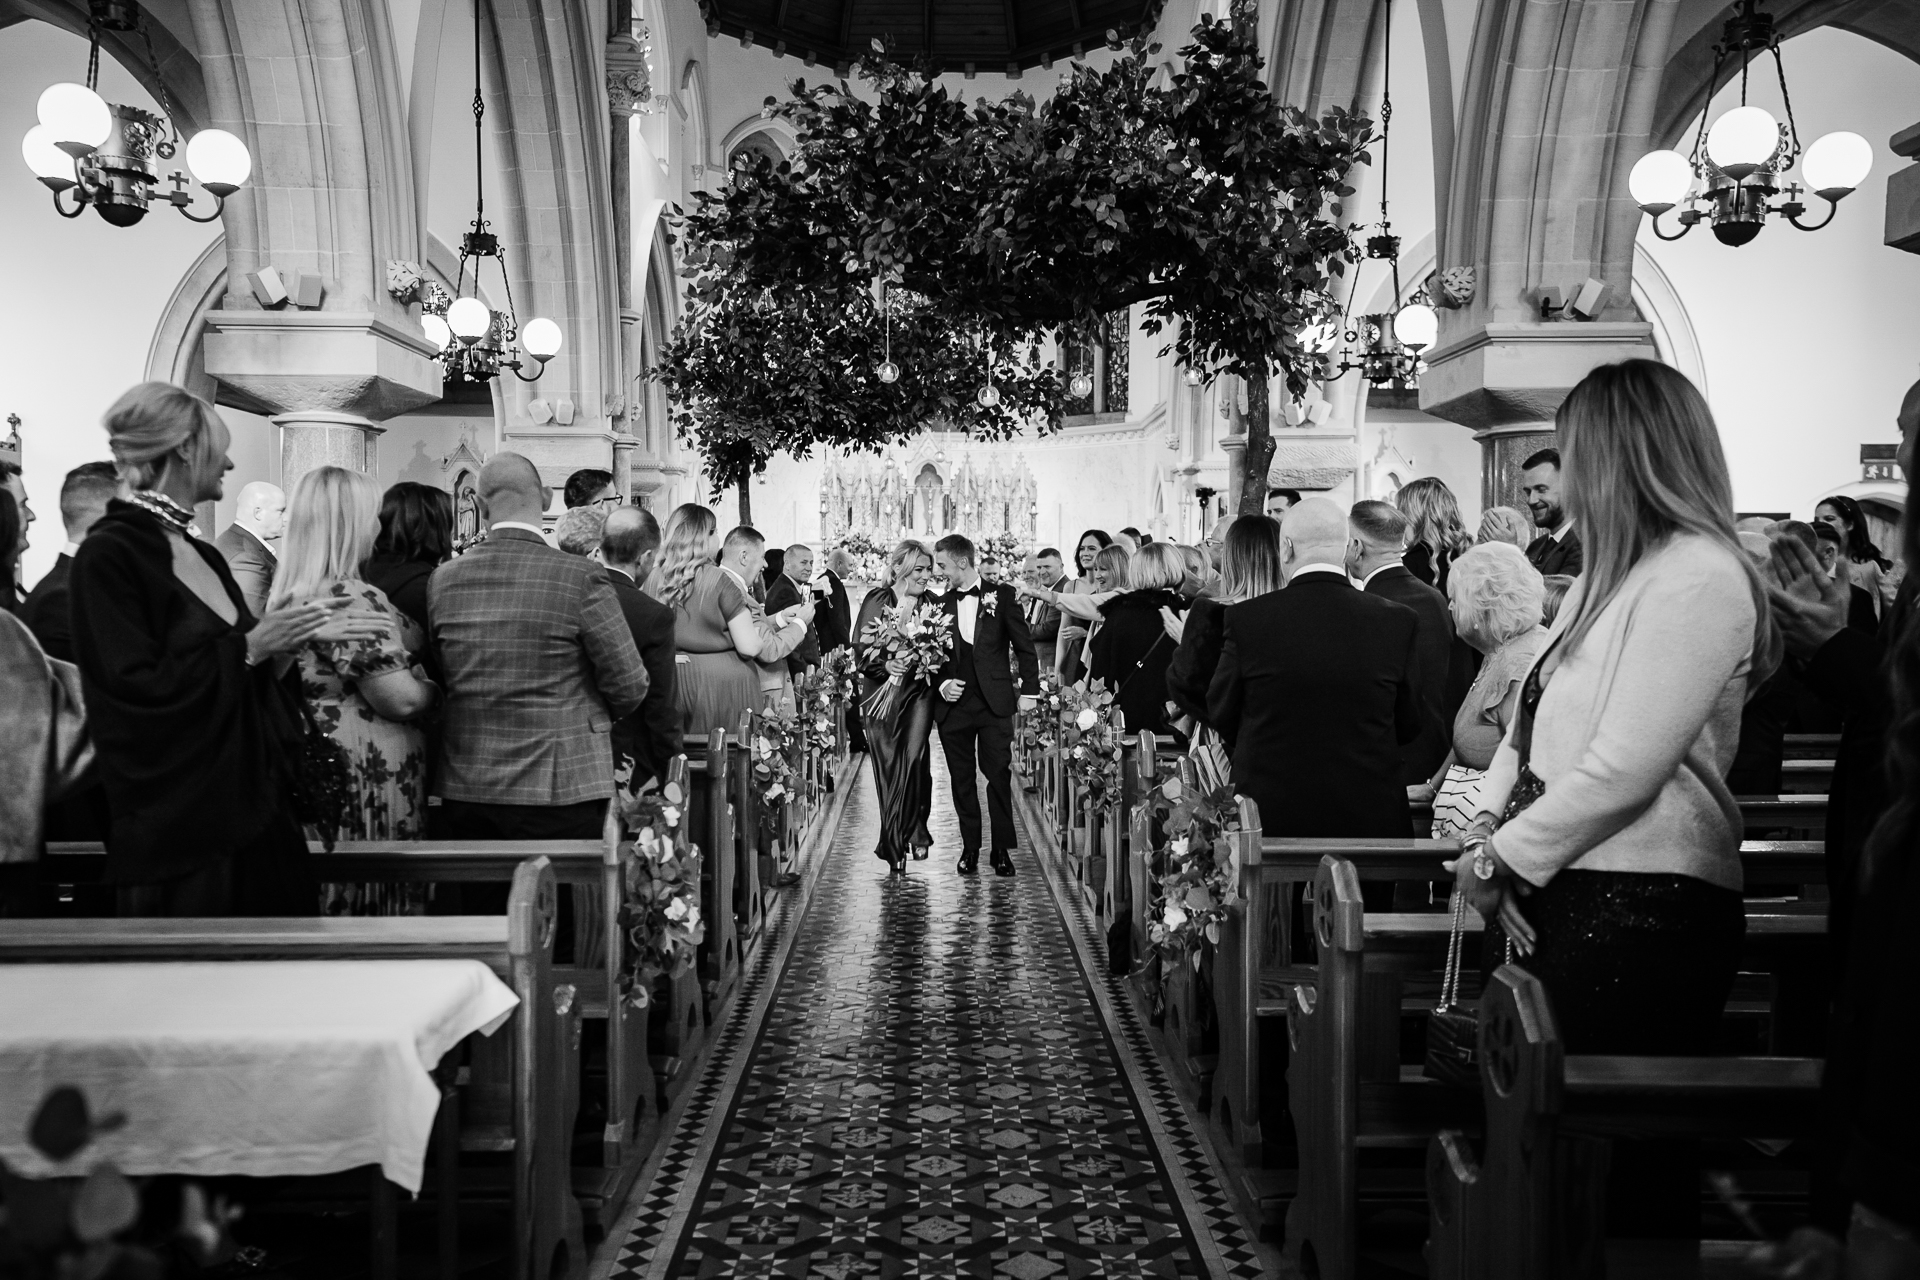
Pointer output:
x,y
770,756
840,669
661,911
1040,731
815,695
1197,868
1090,732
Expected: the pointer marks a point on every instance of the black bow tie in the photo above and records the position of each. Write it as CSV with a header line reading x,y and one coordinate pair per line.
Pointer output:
x,y
973,590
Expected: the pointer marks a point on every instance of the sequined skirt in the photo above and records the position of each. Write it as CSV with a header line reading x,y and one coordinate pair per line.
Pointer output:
x,y
1635,963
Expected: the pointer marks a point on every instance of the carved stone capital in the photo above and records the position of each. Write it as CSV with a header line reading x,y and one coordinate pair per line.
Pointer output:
x,y
629,82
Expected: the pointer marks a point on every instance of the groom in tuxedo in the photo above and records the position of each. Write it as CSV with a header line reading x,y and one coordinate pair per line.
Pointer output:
x,y
977,699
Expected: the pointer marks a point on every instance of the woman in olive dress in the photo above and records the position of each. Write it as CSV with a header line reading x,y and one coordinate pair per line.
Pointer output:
x,y
902,768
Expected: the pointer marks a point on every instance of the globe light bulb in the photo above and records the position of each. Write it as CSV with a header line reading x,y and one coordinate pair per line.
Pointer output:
x,y
43,155
888,372
989,396
1194,377
218,161
469,319
542,339
1660,180
1416,326
1836,164
76,116
1742,140
435,327
1080,386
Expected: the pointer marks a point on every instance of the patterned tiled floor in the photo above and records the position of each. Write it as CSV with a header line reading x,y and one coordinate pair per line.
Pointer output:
x,y
931,1090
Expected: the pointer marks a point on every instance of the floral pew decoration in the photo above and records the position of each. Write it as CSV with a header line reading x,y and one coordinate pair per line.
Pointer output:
x,y
661,910
1089,730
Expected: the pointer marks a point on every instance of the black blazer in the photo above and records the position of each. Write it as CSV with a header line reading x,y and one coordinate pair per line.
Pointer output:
x,y
1434,640
1132,651
1197,658
782,594
192,743
1563,558
405,582
650,735
46,610
1044,625
833,621
1000,642
1315,697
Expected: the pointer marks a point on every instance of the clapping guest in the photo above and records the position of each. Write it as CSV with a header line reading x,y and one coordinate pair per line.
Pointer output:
x,y
1249,567
1107,579
1199,577
1495,598
1505,524
416,537
365,694
1607,844
1070,641
1131,650
538,664
83,500
1830,549
834,621
716,633
790,588
1436,533
1869,570
192,731
1043,620
648,738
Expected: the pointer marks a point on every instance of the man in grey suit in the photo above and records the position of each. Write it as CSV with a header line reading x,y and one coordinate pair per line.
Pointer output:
x,y
537,663
259,517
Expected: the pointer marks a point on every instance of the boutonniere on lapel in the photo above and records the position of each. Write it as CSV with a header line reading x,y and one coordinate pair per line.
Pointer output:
x,y
989,601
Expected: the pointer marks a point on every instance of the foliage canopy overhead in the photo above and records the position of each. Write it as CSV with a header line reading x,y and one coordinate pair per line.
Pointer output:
x,y
966,234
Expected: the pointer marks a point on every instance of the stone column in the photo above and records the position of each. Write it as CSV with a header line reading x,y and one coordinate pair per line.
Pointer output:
x,y
321,438
1235,447
1502,450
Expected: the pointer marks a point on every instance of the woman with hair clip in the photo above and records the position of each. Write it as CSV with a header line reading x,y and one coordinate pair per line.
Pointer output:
x,y
1872,572
1438,534
1606,843
902,766
196,742
365,694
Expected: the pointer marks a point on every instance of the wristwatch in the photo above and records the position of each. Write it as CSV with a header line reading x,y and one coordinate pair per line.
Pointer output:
x,y
1483,864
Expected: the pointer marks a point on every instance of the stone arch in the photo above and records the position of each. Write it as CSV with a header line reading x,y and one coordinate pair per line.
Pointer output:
x,y
774,139
1322,50
174,353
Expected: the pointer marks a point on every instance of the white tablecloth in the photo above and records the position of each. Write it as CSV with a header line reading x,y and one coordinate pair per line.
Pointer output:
x,y
266,1068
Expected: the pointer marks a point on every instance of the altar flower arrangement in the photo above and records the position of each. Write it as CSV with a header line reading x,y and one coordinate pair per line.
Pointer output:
x,y
661,911
921,638
1196,871
1089,721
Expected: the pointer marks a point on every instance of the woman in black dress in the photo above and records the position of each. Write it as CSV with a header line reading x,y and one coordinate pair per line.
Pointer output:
x,y
902,769
1131,650
195,739
1249,567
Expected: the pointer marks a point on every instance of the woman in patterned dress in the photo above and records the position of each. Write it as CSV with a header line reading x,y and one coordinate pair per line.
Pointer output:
x,y
365,694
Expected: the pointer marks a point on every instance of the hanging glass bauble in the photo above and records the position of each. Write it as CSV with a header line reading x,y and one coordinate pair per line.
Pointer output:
x,y
1080,386
989,396
887,371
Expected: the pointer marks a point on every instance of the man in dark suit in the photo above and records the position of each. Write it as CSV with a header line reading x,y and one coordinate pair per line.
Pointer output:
x,y
83,500
1556,551
789,587
1314,693
538,663
1043,620
834,621
650,736
259,517
1379,538
977,699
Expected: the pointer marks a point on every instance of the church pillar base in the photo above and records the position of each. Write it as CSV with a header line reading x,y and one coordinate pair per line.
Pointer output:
x,y
323,438
1502,450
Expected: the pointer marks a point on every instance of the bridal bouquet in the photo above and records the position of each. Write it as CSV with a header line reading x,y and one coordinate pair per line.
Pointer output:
x,y
921,639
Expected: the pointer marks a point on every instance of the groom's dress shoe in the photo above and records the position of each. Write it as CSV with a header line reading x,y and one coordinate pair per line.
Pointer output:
x,y
1002,863
970,863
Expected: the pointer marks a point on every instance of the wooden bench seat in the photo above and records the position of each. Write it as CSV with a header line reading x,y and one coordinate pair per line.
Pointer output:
x,y
523,1089
1530,1204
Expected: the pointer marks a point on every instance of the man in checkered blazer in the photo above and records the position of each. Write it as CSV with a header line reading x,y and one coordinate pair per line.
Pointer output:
x,y
538,663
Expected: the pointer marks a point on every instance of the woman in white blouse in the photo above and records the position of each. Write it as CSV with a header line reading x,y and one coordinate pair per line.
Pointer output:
x,y
1607,843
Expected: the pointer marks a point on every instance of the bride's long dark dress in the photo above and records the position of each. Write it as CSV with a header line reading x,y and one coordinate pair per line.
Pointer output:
x,y
902,769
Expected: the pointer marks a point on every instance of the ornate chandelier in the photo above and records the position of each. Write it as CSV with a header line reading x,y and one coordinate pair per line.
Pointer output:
x,y
108,154
1385,348
1739,166
475,341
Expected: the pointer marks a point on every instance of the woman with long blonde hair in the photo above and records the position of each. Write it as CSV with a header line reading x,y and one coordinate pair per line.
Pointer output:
x,y
1437,534
902,765
717,626
366,694
1607,843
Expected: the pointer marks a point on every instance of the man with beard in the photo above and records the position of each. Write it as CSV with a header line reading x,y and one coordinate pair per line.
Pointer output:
x,y
1557,549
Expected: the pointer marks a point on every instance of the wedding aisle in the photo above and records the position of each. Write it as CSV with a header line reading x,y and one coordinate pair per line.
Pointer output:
x,y
919,1081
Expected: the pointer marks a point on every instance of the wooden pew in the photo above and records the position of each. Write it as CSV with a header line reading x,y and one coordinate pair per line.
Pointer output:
x,y
1531,1204
1812,746
524,1089
1764,816
752,851
1806,777
710,771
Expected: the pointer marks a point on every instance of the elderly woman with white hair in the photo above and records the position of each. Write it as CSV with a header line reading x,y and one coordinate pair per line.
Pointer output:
x,y
1495,596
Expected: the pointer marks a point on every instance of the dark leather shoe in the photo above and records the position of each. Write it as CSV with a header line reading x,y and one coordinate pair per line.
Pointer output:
x,y
970,863
1002,863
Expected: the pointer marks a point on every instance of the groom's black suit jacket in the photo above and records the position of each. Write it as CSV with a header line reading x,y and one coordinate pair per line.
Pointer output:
x,y
1000,639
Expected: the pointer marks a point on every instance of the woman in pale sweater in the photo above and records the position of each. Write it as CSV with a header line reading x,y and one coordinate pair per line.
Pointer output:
x,y
1607,844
